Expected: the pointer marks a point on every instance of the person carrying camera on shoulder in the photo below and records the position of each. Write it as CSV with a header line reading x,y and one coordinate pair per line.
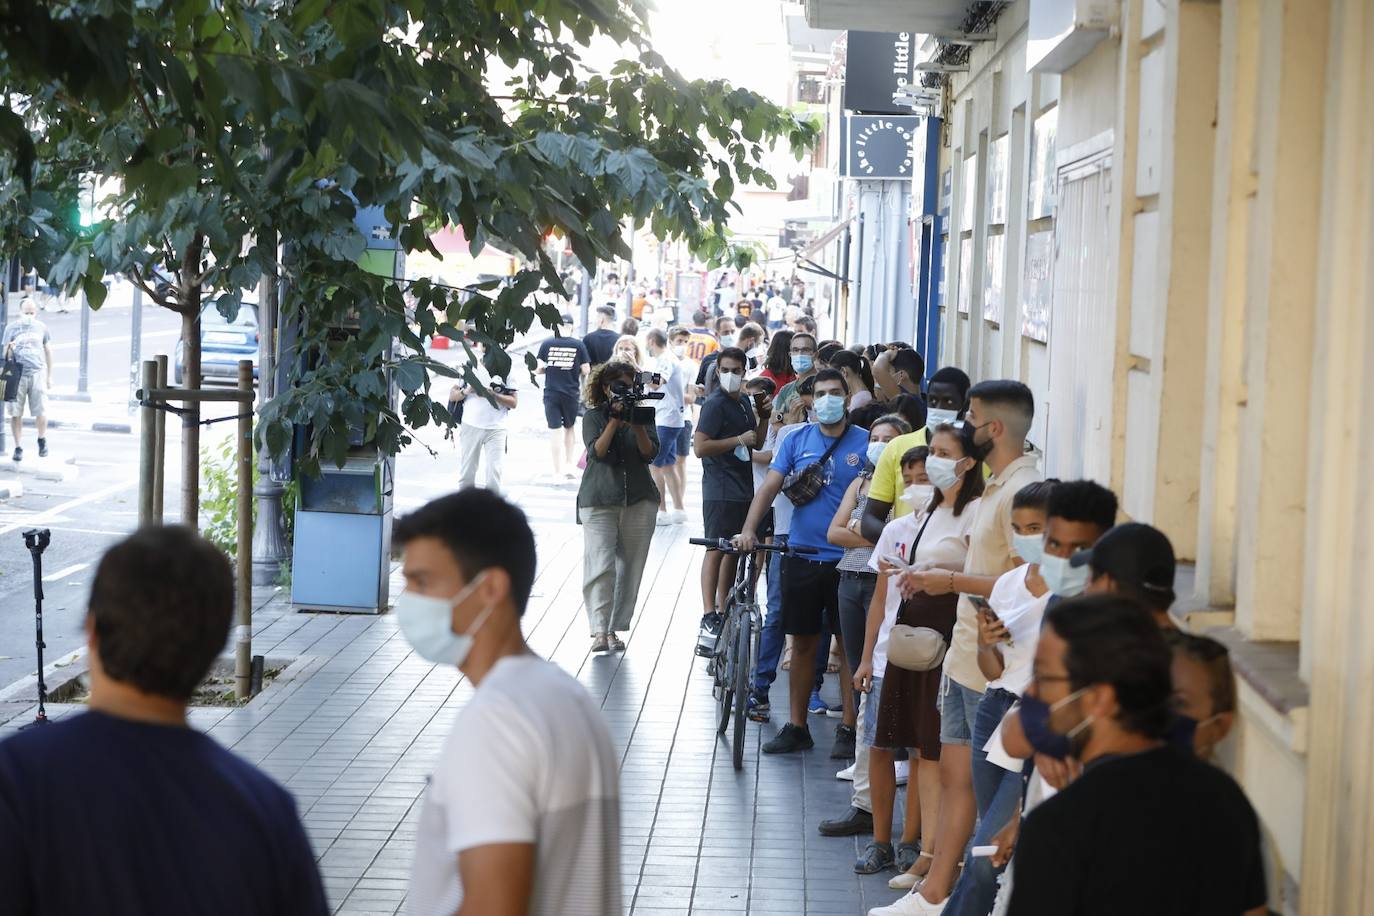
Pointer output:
x,y
617,501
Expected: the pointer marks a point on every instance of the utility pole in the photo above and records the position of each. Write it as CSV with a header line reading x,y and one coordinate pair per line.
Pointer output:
x,y
83,370
135,345
270,550
10,267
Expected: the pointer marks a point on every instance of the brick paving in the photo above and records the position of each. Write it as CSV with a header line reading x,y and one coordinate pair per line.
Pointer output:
x,y
355,722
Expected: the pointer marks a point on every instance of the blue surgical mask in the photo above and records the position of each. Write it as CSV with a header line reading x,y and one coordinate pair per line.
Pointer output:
x,y
802,362
829,408
1035,723
1062,579
875,452
1029,547
742,453
727,340
427,624
941,471
935,418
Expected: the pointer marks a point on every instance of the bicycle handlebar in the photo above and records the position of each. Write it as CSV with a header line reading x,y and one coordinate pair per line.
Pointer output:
x,y
725,545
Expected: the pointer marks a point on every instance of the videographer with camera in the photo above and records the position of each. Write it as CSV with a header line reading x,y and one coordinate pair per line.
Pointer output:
x,y
617,501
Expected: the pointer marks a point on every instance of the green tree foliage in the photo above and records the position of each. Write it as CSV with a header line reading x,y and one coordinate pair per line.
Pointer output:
x,y
227,122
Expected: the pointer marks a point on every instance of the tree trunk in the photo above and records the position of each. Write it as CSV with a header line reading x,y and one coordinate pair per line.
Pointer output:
x,y
190,421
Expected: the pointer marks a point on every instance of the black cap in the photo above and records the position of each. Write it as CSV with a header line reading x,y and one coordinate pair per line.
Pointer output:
x,y
1137,556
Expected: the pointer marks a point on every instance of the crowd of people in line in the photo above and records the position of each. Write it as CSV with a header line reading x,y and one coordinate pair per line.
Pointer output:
x,y
1000,635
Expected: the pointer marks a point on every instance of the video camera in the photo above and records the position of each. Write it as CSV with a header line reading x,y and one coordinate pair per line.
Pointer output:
x,y
630,396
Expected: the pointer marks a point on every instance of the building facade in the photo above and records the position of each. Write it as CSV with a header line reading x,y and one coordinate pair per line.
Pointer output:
x,y
1161,218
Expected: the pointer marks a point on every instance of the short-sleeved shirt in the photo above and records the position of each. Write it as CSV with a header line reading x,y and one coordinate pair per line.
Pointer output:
x,y
701,344
563,358
529,760
600,345
782,506
887,475
811,522
480,413
100,814
787,395
725,476
989,554
1081,851
1022,613
28,338
668,411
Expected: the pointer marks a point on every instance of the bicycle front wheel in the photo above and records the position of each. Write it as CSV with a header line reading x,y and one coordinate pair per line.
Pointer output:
x,y
725,670
743,641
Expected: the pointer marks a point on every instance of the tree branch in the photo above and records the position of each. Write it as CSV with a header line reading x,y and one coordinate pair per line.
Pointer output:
x,y
154,294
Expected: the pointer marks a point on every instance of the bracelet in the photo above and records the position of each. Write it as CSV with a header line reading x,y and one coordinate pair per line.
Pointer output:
x,y
951,580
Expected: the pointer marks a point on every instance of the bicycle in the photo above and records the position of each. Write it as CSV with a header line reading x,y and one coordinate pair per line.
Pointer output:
x,y
737,645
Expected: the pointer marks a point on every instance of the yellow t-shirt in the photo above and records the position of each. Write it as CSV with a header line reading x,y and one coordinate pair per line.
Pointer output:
x,y
887,482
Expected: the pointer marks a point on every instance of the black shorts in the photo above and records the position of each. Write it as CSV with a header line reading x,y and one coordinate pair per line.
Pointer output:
x,y
766,526
560,410
810,596
724,518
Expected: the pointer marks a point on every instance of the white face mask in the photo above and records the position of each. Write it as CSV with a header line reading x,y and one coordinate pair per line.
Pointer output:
x,y
875,452
427,624
679,350
730,381
1064,580
917,496
935,418
941,471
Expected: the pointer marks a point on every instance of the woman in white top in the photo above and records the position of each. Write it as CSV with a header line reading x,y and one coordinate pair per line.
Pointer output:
x,y
908,702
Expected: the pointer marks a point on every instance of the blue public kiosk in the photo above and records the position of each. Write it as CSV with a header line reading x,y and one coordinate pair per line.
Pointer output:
x,y
342,556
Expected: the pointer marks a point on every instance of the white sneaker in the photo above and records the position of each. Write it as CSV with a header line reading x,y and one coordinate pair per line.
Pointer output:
x,y
680,517
903,771
913,904
663,518
847,774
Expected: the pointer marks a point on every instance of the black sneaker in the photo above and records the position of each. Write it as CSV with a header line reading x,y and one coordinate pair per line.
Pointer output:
x,y
791,739
42,448
843,748
759,708
709,634
18,454
876,857
855,822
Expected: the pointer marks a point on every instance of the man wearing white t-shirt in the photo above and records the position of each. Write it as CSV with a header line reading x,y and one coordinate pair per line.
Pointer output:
x,y
484,428
522,812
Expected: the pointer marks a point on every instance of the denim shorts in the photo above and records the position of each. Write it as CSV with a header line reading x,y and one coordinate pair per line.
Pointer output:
x,y
868,723
958,710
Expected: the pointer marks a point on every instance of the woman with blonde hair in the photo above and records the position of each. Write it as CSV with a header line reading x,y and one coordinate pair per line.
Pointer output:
x,y
627,348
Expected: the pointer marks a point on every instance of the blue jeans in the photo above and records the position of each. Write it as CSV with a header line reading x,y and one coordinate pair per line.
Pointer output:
x,y
772,639
998,793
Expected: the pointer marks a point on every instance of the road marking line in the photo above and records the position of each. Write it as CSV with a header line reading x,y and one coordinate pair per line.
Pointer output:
x,y
64,573
121,339
56,511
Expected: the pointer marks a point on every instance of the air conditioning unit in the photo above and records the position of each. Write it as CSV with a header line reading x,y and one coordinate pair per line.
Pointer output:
x,y
1063,32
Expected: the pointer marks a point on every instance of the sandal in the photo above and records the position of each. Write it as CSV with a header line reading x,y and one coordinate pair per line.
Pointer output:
x,y
600,643
616,643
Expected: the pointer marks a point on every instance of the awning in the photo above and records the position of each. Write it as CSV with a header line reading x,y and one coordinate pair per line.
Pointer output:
x,y
825,238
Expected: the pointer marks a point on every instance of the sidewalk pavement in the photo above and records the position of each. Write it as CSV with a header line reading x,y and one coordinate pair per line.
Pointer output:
x,y
354,723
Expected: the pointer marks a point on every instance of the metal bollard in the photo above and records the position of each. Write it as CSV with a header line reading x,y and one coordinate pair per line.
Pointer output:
x,y
160,450
147,445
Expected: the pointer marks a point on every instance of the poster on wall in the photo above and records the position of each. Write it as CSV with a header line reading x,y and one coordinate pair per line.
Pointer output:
x,y
943,271
1036,290
969,196
1040,199
993,268
946,192
997,180
965,275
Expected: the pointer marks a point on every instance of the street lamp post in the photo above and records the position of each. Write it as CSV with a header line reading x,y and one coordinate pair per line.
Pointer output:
x,y
269,534
84,365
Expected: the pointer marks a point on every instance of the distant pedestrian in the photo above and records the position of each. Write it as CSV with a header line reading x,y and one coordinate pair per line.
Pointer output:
x,y
601,342
563,364
485,419
164,796
522,812
28,341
